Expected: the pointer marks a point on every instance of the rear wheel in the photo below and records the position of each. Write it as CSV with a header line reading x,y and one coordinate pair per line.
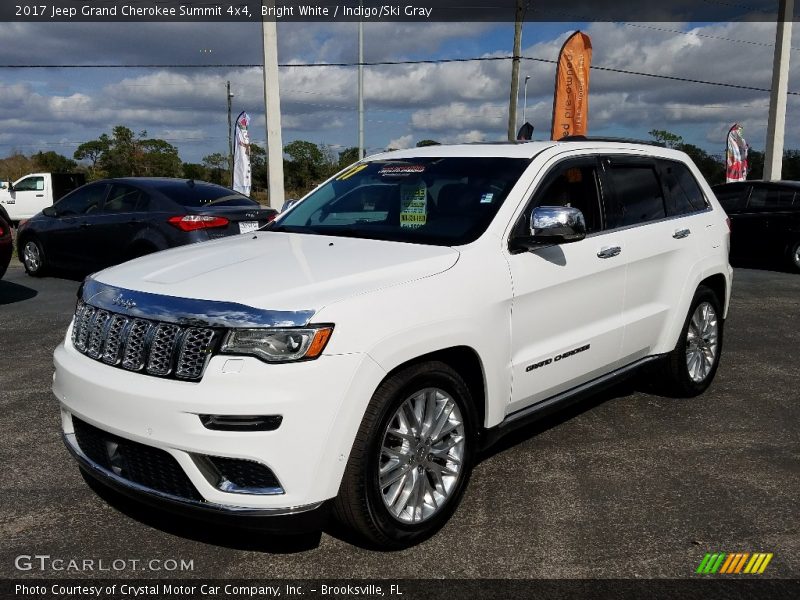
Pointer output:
x,y
794,256
33,257
691,366
411,459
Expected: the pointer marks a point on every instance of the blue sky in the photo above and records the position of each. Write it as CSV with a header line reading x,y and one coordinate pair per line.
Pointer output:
x,y
56,109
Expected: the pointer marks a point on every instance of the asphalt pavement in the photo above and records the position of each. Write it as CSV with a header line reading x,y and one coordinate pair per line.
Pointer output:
x,y
627,485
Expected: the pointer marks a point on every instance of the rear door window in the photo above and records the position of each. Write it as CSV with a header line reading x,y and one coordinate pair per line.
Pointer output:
x,y
124,199
638,196
684,195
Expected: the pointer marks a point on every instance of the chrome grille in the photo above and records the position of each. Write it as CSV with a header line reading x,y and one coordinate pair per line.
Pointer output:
x,y
192,359
161,349
151,347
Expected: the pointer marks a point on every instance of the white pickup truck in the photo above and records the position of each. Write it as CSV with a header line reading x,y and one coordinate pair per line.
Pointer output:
x,y
32,193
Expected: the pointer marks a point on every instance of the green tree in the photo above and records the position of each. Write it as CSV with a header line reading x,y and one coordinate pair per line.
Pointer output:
x,y
347,157
126,154
15,166
423,143
195,171
217,168
755,164
712,168
669,139
306,166
258,167
53,162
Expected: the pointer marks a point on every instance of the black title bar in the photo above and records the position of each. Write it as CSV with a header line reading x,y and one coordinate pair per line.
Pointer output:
x,y
376,10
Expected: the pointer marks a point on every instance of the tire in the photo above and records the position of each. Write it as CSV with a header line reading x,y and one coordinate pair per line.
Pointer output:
x,y
794,256
440,470
33,257
690,368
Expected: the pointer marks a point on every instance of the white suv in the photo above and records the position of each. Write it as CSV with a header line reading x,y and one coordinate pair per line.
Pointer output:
x,y
360,352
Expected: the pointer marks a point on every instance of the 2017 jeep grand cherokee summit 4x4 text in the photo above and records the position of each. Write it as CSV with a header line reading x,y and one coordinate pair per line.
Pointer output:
x,y
359,353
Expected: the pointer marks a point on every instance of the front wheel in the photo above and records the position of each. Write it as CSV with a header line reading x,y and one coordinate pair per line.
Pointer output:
x,y
33,257
412,457
691,366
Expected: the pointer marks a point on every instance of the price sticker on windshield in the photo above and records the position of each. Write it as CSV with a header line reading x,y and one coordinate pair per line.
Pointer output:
x,y
413,205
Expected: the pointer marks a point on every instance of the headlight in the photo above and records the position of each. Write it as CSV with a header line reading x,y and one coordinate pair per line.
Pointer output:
x,y
278,345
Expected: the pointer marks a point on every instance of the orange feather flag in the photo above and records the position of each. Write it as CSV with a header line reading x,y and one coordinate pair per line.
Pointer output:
x,y
571,98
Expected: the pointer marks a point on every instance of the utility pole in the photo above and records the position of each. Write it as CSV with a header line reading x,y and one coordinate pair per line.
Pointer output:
x,y
776,124
519,15
272,104
360,87
230,133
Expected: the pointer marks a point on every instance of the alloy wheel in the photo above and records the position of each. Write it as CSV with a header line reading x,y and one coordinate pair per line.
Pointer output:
x,y
421,455
32,256
702,342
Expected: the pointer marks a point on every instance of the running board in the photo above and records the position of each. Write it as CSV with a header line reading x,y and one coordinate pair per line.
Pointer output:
x,y
535,412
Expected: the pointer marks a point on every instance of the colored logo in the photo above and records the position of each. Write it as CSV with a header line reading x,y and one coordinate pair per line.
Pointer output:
x,y
731,563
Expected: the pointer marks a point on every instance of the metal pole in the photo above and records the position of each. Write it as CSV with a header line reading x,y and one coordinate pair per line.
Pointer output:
x,y
230,134
272,104
514,95
776,124
525,102
360,87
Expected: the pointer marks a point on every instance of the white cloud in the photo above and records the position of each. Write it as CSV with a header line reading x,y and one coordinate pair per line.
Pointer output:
x,y
401,143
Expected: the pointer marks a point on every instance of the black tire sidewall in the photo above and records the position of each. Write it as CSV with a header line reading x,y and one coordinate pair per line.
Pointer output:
x,y
692,387
792,256
402,533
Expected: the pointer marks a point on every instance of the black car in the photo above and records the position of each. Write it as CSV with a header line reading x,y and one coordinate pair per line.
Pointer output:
x,y
5,246
113,220
765,219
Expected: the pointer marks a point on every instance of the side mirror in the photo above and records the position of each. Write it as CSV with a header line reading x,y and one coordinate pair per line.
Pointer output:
x,y
49,211
553,225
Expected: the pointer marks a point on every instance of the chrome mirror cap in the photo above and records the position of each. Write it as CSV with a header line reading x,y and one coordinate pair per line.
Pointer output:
x,y
557,224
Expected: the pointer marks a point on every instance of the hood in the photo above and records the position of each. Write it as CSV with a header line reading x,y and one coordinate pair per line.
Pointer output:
x,y
280,271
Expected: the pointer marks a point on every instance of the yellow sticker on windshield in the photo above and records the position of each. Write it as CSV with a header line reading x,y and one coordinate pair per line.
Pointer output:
x,y
350,172
413,205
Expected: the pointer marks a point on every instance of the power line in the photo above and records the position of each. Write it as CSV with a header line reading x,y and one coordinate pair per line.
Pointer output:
x,y
400,63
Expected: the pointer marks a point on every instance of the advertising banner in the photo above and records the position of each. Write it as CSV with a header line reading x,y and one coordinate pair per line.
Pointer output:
x,y
241,156
736,155
571,97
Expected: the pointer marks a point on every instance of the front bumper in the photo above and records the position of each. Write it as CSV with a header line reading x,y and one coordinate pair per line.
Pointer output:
x,y
321,403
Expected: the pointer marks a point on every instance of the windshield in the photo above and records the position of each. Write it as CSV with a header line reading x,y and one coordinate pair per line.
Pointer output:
x,y
443,201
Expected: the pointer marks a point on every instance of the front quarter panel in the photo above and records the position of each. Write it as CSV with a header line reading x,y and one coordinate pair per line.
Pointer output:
x,y
468,305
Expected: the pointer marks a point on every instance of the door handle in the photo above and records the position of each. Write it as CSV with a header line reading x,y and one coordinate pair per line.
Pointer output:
x,y
609,252
681,233
40,195
85,225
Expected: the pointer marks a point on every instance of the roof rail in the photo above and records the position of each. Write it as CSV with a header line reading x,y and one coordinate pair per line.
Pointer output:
x,y
584,138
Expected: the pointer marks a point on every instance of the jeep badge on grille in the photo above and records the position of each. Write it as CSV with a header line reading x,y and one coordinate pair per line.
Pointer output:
x,y
123,302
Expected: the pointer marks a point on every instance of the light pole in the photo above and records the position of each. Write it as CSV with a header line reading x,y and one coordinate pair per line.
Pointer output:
x,y
230,134
360,86
525,101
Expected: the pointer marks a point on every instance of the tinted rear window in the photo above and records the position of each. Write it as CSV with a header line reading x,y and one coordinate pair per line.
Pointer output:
x,y
200,195
732,198
684,191
639,196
